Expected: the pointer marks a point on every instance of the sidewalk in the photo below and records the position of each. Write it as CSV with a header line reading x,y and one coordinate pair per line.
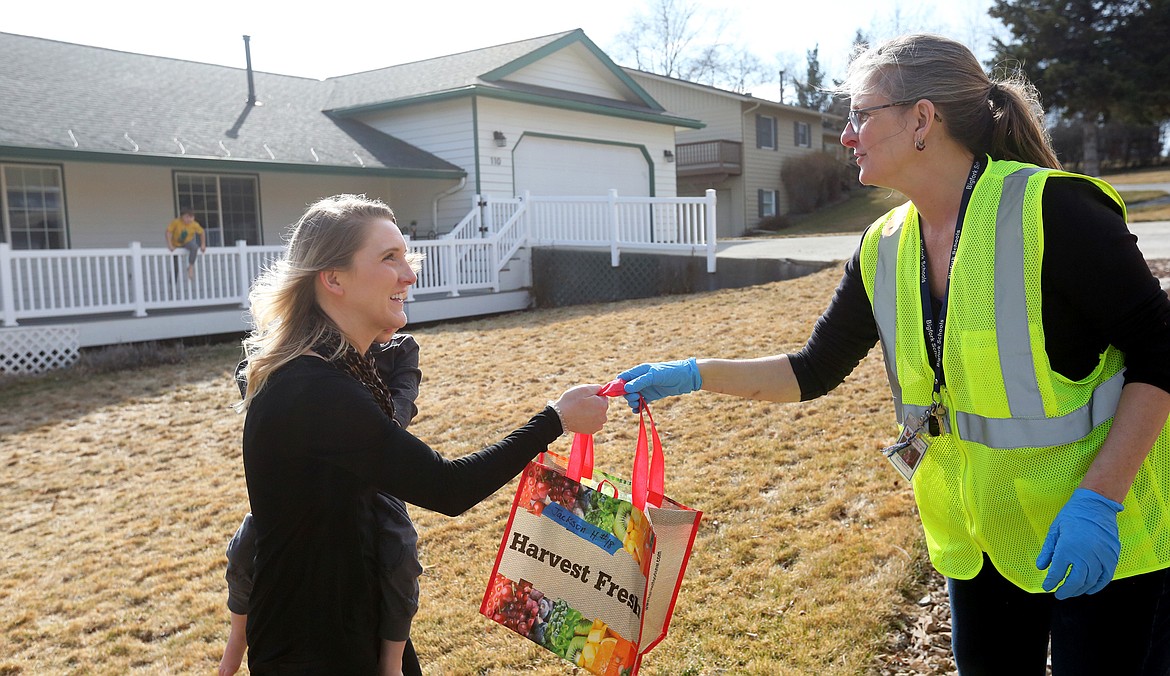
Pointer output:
x,y
1153,240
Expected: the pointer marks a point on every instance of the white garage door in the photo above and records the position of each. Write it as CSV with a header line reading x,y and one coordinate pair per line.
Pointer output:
x,y
546,166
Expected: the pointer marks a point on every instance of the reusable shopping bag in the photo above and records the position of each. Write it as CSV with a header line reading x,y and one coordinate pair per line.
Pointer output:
x,y
590,568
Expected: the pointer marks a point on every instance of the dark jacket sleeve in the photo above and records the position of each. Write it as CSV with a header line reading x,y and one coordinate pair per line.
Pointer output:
x,y
240,378
397,362
241,567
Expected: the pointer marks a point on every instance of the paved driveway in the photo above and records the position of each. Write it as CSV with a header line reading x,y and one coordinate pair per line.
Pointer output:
x,y
1153,240
1133,187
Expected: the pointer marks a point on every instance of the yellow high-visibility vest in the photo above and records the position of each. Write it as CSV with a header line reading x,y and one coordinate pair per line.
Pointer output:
x,y
1017,437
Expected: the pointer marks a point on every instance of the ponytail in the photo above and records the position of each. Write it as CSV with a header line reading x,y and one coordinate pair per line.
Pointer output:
x,y
1017,128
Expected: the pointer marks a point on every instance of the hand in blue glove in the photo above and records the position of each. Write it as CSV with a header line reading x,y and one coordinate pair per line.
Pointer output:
x,y
663,379
1084,536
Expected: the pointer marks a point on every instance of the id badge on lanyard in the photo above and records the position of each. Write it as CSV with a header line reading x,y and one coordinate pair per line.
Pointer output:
x,y
907,453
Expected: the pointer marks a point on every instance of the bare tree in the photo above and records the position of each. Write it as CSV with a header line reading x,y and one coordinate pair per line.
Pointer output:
x,y
743,70
684,40
661,39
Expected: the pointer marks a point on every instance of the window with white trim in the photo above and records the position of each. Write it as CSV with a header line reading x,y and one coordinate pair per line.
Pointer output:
x,y
767,203
765,132
801,134
226,205
32,207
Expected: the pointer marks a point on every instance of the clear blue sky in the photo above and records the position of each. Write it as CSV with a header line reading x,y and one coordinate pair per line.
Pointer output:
x,y
337,37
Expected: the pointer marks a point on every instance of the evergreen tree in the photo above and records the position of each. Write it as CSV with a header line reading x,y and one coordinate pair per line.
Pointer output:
x,y
1093,60
811,93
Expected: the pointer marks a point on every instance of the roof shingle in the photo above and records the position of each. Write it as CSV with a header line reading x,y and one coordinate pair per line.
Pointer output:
x,y
68,97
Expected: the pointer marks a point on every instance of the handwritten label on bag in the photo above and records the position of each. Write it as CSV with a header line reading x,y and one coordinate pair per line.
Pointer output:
x,y
582,528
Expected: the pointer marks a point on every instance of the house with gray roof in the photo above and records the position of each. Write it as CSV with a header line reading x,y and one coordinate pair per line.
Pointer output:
x,y
100,147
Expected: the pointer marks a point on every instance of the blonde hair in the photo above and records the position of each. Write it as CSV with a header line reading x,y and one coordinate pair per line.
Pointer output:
x,y
1002,118
286,317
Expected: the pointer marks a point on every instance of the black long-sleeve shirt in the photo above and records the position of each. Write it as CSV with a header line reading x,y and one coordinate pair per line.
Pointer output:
x,y
1095,287
316,449
397,364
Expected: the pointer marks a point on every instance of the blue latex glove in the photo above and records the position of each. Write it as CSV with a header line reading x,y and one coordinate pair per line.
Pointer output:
x,y
1084,536
663,379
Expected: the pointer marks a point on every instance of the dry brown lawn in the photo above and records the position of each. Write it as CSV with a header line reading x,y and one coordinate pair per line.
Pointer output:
x,y
120,491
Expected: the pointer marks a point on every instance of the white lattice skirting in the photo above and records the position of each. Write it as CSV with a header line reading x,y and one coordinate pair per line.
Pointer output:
x,y
37,349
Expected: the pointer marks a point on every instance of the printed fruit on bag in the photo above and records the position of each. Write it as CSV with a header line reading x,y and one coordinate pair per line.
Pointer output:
x,y
600,653
515,605
621,519
544,486
638,538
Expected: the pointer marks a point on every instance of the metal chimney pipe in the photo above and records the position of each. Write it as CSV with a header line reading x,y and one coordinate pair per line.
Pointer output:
x,y
248,56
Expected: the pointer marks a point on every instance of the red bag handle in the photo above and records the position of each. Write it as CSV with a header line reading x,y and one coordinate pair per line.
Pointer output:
x,y
649,474
581,458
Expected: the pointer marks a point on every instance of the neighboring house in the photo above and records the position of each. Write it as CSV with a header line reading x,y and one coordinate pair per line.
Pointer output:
x,y
832,126
742,148
99,148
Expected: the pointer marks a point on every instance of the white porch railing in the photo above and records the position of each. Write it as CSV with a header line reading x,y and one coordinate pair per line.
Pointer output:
x,y
471,256
70,282
74,282
629,223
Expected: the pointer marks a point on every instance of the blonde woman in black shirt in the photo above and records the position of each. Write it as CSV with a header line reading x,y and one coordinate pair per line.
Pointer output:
x,y
319,441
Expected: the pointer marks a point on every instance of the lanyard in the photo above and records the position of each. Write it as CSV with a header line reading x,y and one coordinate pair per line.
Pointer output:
x,y
934,325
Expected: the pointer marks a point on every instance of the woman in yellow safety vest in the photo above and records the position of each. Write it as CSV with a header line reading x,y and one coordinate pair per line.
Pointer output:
x,y
1028,351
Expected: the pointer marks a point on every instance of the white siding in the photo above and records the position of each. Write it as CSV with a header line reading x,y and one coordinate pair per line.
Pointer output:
x,y
516,119
284,197
721,114
726,121
573,69
443,129
448,130
111,205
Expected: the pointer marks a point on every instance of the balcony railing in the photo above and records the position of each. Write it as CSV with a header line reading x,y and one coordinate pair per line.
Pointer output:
x,y
709,157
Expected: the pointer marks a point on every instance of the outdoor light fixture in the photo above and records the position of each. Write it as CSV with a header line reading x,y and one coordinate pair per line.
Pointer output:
x,y
668,155
501,140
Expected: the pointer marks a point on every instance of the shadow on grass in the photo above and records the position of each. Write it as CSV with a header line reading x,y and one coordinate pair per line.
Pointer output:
x,y
107,377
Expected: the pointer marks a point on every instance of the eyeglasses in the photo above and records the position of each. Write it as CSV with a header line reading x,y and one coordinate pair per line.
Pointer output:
x,y
859,116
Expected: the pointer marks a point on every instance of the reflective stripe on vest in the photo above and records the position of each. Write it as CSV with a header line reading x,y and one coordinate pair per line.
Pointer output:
x,y
885,305
1035,432
1011,305
1028,425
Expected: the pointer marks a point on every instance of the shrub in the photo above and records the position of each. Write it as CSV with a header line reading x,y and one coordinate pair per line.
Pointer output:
x,y
814,180
774,223
128,356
